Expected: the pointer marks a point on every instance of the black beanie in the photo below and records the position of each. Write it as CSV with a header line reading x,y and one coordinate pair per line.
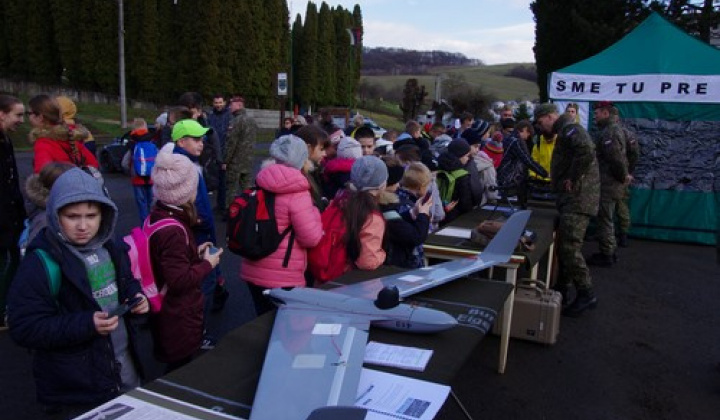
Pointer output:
x,y
459,148
395,174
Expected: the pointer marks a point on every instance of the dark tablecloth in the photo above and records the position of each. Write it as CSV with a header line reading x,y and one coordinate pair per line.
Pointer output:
x,y
225,378
542,222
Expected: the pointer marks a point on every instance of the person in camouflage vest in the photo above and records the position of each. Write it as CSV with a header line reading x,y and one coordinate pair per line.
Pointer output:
x,y
632,153
239,148
610,147
575,179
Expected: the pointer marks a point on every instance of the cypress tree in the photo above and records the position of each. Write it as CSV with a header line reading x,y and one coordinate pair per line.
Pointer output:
x,y
326,58
142,46
296,37
344,80
43,63
16,35
307,61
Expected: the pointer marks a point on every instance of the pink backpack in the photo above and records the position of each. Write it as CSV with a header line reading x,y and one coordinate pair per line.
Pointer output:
x,y
139,254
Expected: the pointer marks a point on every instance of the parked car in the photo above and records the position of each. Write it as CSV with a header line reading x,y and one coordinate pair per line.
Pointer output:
x,y
110,157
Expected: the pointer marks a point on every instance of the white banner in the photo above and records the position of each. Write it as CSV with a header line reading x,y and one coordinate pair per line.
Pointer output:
x,y
637,88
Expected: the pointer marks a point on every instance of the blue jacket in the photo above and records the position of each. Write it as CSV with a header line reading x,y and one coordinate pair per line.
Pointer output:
x,y
205,230
72,363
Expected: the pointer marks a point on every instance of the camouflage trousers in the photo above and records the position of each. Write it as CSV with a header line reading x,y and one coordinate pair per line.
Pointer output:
x,y
236,182
571,234
606,226
622,211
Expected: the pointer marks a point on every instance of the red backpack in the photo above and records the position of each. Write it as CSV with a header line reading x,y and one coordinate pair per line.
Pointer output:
x,y
252,231
328,259
139,254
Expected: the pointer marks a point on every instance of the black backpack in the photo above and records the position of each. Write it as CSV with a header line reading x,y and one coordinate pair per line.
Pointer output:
x,y
252,230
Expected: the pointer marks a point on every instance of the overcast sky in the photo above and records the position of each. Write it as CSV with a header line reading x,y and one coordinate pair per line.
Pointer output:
x,y
494,31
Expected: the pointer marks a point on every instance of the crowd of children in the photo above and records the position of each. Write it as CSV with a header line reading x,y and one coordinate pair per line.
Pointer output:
x,y
349,201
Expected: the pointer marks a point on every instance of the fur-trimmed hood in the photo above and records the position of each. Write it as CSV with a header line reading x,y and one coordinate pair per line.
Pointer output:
x,y
60,133
387,198
35,191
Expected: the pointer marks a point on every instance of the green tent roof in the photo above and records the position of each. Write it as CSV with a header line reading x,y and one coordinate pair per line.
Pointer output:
x,y
655,46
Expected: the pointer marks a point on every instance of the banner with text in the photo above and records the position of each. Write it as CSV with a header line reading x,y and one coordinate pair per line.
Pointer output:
x,y
635,88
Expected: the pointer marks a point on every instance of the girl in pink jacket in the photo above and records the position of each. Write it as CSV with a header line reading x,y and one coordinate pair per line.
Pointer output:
x,y
293,207
365,223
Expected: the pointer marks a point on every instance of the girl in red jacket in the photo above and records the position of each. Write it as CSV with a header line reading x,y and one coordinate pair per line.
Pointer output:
x,y
177,262
53,140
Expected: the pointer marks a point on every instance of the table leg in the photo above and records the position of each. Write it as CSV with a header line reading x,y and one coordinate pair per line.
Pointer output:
x,y
510,277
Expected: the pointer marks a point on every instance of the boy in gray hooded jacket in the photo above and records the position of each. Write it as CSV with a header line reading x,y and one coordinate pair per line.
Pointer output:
x,y
83,354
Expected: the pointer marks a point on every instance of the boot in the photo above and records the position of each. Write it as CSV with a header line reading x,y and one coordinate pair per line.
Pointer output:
x,y
585,300
601,260
564,291
623,240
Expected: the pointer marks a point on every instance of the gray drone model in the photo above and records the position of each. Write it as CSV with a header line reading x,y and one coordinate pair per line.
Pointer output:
x,y
315,356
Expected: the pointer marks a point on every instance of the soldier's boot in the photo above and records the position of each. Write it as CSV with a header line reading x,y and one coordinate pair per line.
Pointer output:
x,y
585,300
564,291
623,240
601,260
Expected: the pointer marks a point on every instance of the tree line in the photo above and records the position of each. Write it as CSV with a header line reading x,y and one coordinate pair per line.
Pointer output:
x,y
173,46
571,31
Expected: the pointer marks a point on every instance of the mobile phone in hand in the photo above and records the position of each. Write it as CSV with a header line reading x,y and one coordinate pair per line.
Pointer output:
x,y
123,308
427,197
212,249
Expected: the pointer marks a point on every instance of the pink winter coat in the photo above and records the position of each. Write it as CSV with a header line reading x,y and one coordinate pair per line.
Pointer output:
x,y
293,206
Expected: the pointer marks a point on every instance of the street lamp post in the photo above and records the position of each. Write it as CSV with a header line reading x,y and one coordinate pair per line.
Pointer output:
x,y
121,64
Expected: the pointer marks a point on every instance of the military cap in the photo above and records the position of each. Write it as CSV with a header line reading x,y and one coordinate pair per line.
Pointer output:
x,y
544,109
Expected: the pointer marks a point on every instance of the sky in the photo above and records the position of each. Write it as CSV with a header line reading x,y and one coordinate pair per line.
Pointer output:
x,y
494,31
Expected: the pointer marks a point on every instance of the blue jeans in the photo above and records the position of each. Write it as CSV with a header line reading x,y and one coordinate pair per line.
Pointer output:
x,y
143,200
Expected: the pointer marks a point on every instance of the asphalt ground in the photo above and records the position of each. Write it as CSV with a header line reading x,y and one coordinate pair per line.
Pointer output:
x,y
650,350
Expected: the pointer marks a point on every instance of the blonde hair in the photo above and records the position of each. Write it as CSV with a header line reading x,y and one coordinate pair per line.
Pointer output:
x,y
139,123
416,177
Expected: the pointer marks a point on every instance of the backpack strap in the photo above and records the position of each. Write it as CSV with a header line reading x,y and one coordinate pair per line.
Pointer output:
x,y
150,228
286,260
52,269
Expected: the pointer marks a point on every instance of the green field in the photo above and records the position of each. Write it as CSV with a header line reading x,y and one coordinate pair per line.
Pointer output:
x,y
491,79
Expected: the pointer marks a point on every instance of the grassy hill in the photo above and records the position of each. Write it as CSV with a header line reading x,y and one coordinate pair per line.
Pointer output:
x,y
491,79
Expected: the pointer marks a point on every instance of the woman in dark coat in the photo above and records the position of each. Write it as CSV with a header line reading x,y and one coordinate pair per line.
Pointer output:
x,y
12,211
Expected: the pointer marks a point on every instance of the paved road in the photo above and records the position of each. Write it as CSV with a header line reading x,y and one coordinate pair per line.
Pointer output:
x,y
649,351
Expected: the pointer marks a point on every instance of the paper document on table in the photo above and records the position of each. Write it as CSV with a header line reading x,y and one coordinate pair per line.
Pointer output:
x,y
498,208
127,407
388,396
454,232
401,357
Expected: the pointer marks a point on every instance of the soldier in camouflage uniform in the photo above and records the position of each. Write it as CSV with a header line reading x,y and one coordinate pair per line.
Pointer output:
x,y
575,179
610,147
632,153
239,148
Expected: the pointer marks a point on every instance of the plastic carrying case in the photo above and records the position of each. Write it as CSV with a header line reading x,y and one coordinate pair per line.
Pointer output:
x,y
536,313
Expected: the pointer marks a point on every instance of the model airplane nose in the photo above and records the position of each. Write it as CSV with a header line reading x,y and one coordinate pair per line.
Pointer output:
x,y
430,320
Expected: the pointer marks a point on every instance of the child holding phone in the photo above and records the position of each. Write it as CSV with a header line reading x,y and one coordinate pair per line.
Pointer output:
x,y
408,217
84,350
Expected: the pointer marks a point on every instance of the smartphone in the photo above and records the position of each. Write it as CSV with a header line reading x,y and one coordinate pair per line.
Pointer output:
x,y
427,197
123,308
213,249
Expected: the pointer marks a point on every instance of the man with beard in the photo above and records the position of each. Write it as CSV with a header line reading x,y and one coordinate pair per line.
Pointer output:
x,y
576,181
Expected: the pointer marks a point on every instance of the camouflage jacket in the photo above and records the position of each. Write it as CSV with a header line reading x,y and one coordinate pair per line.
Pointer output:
x,y
610,146
240,142
632,148
574,159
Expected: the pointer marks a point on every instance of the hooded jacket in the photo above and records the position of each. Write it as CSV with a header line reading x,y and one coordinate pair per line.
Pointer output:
x,y
73,363
293,206
462,193
61,144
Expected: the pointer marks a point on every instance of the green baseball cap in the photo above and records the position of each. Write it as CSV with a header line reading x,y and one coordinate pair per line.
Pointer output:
x,y
544,109
188,128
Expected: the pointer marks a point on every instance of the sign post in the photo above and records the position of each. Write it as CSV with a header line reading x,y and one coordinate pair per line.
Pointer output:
x,y
282,92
